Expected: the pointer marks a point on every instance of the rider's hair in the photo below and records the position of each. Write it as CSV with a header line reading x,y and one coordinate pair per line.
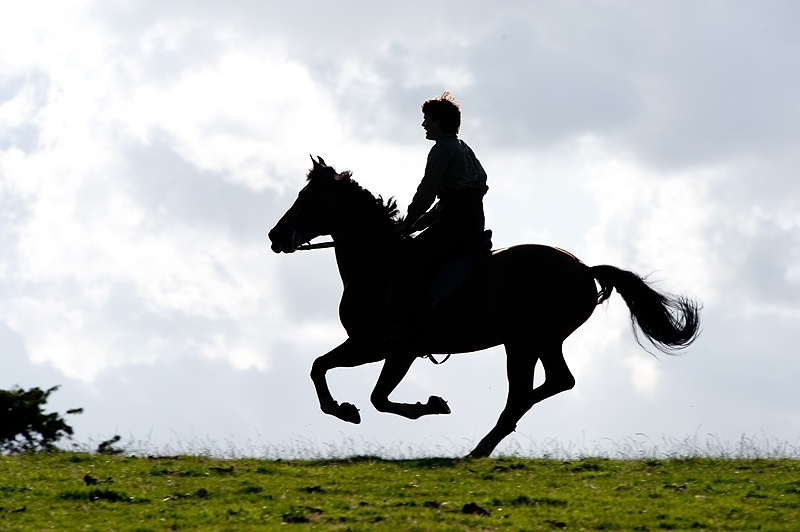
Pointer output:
x,y
445,109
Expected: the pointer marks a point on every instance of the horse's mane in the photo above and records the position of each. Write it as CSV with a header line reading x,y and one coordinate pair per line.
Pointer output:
x,y
357,197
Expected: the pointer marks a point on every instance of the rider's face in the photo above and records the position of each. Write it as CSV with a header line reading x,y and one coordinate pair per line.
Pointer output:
x,y
432,129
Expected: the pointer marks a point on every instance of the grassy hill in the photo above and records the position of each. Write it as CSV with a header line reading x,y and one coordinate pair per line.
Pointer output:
x,y
72,491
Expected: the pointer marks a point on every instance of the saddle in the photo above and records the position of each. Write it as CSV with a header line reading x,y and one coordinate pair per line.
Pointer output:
x,y
451,274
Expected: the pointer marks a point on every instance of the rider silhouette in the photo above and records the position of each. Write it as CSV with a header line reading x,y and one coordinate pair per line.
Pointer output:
x,y
455,177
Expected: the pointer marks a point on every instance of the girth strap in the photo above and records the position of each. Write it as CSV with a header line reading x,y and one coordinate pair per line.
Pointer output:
x,y
437,362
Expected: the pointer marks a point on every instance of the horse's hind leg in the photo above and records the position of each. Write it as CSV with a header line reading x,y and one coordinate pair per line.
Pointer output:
x,y
520,366
394,369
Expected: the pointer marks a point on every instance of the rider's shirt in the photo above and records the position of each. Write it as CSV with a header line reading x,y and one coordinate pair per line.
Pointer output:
x,y
452,166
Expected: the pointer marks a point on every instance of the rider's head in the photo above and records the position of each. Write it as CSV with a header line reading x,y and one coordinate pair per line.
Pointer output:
x,y
444,109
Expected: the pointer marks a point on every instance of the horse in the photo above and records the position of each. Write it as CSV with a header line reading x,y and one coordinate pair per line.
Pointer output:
x,y
528,298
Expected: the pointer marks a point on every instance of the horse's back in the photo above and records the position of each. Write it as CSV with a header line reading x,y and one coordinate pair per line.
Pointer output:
x,y
538,256
531,265
539,289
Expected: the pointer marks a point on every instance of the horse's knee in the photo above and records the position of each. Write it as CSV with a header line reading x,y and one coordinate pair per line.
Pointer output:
x,y
562,381
318,369
557,373
558,383
568,382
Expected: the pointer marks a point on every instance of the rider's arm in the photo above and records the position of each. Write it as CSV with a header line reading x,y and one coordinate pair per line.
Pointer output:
x,y
430,185
424,221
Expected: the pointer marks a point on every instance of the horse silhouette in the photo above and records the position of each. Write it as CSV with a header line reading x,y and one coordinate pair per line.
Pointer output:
x,y
529,298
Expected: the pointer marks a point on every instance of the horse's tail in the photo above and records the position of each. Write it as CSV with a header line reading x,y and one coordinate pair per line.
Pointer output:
x,y
669,322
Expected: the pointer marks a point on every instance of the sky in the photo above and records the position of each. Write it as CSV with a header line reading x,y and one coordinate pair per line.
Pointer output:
x,y
146,149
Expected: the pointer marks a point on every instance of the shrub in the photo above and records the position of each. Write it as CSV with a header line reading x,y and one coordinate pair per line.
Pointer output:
x,y
24,426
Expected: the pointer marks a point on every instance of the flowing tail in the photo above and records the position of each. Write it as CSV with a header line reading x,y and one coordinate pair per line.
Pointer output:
x,y
669,322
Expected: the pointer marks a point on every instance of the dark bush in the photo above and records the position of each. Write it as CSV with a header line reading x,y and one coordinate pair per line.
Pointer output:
x,y
24,427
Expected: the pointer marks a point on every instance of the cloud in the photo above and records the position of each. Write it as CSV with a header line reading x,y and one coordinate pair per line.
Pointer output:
x,y
146,149
129,262
239,117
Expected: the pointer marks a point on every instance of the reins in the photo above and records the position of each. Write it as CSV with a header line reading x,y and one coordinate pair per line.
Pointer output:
x,y
321,245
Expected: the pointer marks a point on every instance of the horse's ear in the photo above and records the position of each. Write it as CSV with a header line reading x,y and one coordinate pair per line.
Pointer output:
x,y
321,162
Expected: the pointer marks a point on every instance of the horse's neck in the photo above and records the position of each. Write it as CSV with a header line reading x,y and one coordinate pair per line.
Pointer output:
x,y
363,238
356,257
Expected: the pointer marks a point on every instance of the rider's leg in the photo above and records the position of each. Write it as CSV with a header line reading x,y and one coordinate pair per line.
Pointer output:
x,y
459,225
413,272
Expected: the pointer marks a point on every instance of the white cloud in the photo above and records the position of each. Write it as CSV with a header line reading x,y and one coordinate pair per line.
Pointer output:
x,y
146,148
644,375
243,118
656,223
87,258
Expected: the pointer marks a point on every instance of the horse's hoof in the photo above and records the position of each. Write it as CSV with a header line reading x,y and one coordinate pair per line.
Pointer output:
x,y
348,412
438,405
479,453
484,448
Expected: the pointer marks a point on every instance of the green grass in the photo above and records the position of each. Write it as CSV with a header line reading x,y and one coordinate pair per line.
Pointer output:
x,y
72,491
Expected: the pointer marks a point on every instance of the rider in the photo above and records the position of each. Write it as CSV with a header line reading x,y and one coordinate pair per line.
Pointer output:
x,y
455,176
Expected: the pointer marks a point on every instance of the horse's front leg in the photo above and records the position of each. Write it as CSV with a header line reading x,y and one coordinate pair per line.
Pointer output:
x,y
349,354
395,367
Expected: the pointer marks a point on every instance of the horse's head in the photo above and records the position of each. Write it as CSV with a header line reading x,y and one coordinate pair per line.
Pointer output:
x,y
311,214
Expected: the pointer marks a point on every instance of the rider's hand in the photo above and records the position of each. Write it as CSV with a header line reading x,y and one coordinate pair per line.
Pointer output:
x,y
402,229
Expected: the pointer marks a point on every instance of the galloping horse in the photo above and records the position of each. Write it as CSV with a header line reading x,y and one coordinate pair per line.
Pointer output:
x,y
529,298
